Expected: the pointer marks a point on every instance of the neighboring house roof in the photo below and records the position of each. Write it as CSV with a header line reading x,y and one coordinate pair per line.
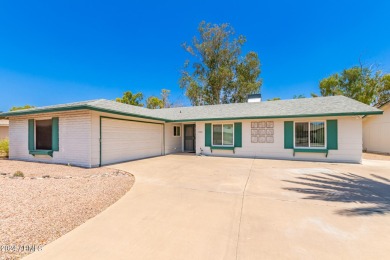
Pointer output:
x,y
384,104
4,122
304,107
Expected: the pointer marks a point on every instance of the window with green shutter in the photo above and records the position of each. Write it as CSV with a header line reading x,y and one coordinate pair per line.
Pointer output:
x,y
43,136
332,134
207,133
237,134
55,134
288,135
31,135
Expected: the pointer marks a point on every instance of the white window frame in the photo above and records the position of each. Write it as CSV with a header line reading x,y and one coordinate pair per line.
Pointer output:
x,y
309,122
212,135
175,126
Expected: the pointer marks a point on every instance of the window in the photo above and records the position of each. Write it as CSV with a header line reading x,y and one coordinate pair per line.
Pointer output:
x,y
176,131
43,133
310,134
223,134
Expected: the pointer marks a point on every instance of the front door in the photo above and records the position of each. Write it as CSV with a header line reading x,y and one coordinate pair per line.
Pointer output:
x,y
189,138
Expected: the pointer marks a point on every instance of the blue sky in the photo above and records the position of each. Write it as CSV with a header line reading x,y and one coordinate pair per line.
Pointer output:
x,y
63,51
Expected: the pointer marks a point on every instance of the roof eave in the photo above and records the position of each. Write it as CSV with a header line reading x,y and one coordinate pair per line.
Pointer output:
x,y
281,116
74,108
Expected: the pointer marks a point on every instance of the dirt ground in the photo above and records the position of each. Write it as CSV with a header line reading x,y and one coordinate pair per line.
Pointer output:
x,y
51,200
376,156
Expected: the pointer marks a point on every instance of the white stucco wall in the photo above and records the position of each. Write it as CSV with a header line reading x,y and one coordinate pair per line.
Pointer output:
x,y
349,142
3,132
376,131
173,144
74,138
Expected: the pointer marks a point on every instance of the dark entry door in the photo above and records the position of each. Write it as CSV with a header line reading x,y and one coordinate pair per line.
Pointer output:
x,y
189,138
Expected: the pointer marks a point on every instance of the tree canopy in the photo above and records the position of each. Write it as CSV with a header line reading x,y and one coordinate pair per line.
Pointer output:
x,y
360,83
274,99
21,108
131,99
154,102
219,74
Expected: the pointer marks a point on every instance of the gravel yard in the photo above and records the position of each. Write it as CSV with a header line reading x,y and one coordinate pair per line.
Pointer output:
x,y
51,200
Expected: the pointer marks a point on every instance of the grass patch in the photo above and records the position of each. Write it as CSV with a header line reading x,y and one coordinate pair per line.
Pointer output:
x,y
18,174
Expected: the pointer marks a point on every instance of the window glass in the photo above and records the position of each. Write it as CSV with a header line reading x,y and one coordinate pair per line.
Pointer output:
x,y
317,134
310,134
43,133
217,134
176,131
302,134
228,134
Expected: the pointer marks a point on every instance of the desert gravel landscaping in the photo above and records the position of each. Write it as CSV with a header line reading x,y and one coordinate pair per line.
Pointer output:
x,y
51,200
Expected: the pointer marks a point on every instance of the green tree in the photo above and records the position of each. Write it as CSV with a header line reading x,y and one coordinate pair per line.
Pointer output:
x,y
274,99
219,74
360,83
154,102
131,99
21,108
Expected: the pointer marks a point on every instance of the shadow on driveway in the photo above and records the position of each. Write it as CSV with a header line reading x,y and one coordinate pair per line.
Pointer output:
x,y
348,188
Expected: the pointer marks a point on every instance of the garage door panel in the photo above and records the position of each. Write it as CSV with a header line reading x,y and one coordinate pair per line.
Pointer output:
x,y
129,140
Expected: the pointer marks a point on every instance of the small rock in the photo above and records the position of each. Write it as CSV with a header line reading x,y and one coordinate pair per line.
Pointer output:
x,y
46,176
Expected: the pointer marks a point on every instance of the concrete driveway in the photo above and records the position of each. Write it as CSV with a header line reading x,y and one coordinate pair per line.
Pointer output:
x,y
189,207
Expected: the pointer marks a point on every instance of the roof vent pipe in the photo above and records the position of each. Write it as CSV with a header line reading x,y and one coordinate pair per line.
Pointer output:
x,y
254,98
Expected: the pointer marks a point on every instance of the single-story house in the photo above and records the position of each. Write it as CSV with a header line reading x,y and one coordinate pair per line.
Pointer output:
x,y
376,130
102,132
4,126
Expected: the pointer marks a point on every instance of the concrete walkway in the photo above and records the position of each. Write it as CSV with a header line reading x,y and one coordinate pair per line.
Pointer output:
x,y
188,207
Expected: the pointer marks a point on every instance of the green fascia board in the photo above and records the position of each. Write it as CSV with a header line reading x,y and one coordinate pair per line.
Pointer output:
x,y
88,107
41,152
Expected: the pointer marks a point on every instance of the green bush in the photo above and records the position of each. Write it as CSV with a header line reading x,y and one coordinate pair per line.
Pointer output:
x,y
4,147
18,174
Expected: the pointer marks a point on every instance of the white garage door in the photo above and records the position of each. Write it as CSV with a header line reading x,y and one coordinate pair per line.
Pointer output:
x,y
127,140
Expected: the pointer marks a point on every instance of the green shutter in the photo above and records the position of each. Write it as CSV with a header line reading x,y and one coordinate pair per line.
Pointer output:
x,y
207,133
332,137
31,135
288,135
55,134
237,134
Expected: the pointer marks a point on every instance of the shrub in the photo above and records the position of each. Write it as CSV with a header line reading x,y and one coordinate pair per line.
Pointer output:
x,y
4,147
18,174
